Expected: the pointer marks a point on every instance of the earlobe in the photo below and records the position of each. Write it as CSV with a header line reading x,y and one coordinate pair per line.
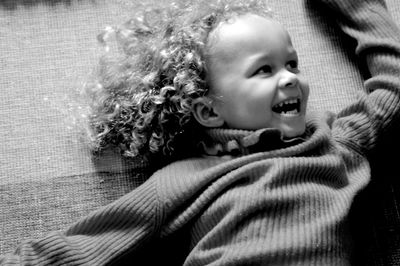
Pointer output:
x,y
205,113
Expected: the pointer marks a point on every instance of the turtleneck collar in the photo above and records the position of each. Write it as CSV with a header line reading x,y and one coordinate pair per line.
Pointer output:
x,y
240,142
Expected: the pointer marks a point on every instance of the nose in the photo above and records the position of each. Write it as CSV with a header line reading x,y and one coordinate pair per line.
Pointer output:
x,y
288,79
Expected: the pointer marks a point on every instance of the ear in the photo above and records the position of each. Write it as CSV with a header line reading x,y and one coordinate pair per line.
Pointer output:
x,y
205,113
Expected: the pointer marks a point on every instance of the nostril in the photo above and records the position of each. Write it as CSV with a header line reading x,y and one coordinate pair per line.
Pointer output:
x,y
289,82
288,79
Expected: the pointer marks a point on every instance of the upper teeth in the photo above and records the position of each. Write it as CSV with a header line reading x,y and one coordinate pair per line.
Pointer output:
x,y
292,101
288,107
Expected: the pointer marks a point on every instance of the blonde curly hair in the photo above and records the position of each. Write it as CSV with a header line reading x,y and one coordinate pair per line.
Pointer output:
x,y
141,99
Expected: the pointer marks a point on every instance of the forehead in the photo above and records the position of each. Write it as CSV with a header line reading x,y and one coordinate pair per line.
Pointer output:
x,y
248,34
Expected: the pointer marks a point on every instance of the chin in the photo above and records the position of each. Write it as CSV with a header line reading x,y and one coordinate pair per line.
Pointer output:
x,y
292,132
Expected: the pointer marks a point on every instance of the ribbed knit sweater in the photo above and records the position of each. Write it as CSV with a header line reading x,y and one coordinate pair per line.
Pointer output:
x,y
254,198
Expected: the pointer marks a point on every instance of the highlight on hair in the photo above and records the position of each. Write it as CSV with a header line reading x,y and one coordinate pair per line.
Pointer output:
x,y
141,98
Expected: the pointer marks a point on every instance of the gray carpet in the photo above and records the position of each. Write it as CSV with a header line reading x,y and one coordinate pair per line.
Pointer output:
x,y
48,178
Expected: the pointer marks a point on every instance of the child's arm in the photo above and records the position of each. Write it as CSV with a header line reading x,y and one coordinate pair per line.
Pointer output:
x,y
378,46
101,238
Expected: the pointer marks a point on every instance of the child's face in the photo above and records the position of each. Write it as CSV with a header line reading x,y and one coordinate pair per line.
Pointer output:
x,y
254,76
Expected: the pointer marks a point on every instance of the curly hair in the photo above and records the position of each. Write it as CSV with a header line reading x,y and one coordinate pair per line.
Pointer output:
x,y
141,99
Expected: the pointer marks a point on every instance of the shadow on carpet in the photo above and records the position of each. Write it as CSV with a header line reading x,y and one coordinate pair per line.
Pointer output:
x,y
14,4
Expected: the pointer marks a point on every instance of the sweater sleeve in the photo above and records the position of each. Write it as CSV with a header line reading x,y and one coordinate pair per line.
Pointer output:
x,y
104,237
377,39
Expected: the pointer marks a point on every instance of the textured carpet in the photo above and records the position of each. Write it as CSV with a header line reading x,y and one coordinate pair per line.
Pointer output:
x,y
48,179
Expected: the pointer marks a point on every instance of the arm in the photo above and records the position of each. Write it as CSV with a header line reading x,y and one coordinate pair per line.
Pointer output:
x,y
378,47
103,237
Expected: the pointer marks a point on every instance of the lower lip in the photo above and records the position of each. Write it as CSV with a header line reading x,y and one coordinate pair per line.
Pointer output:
x,y
294,113
288,116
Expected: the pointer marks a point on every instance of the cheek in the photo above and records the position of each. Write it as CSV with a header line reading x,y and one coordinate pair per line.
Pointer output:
x,y
251,99
261,97
254,107
306,92
242,98
304,86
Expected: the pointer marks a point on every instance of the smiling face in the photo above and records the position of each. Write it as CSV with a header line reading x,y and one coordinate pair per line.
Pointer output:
x,y
254,77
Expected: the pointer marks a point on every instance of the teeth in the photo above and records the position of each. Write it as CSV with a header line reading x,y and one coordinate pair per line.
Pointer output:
x,y
293,101
290,107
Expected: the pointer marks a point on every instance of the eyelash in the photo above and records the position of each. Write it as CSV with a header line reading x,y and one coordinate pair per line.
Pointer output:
x,y
266,69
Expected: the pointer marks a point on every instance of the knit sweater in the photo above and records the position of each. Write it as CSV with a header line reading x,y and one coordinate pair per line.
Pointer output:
x,y
254,198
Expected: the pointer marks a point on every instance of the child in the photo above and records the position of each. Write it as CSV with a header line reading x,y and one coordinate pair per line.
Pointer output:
x,y
253,182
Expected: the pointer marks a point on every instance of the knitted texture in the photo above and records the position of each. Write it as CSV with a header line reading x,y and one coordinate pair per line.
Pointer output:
x,y
281,206
48,178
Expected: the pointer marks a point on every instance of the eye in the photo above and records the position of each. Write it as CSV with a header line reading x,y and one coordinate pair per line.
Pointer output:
x,y
265,69
292,65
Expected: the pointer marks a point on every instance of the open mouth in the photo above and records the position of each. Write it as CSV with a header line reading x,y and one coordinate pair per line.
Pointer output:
x,y
288,107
